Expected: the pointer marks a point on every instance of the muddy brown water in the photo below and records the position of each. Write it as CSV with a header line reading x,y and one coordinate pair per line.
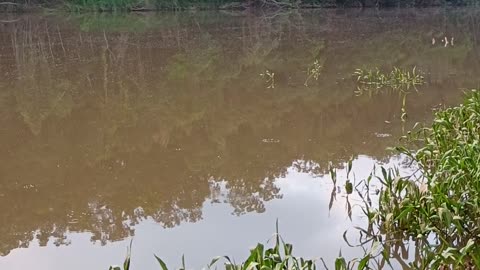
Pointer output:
x,y
159,127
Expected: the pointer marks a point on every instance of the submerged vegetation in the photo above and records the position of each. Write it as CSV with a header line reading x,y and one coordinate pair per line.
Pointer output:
x,y
401,80
313,71
396,79
269,78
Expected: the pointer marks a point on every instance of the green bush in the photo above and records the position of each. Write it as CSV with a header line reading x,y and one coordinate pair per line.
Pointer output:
x,y
438,206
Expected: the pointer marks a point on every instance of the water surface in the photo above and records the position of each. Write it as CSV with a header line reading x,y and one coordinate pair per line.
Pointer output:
x,y
159,127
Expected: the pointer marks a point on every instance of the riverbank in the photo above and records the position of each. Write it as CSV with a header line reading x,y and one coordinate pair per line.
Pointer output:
x,y
158,5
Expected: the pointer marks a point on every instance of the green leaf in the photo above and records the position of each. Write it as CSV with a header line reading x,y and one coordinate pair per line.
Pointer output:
x,y
340,264
468,247
252,266
364,263
213,261
288,249
162,263
349,187
126,263
349,168
183,262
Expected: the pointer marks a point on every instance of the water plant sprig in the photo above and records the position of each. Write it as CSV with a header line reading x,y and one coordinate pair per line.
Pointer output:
x,y
314,71
269,78
397,79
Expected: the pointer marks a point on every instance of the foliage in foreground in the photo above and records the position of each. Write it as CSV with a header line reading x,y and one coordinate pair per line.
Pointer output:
x,y
438,206
278,257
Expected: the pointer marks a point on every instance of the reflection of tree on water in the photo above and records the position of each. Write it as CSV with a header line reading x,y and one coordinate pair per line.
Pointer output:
x,y
101,130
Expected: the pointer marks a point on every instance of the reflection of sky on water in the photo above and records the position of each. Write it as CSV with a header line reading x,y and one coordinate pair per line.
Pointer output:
x,y
303,214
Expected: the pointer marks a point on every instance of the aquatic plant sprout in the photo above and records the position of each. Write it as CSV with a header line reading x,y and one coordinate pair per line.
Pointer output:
x,y
372,81
269,78
313,71
397,79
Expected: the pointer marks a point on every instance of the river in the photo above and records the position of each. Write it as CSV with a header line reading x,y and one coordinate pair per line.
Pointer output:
x,y
193,132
